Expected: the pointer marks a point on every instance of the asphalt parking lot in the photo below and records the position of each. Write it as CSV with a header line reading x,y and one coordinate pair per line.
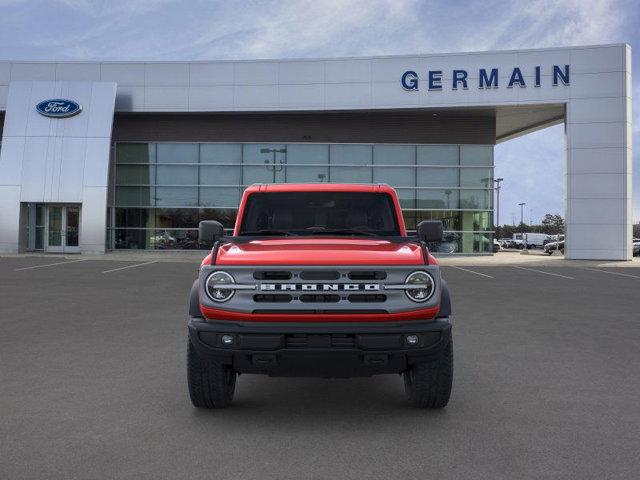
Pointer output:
x,y
93,384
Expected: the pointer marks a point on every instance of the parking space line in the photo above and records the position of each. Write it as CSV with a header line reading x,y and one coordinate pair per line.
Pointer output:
x,y
49,264
610,273
544,273
470,271
130,266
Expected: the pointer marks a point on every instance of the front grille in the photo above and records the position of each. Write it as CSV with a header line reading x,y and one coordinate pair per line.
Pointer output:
x,y
321,290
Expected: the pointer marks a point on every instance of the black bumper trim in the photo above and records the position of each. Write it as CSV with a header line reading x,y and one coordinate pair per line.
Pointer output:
x,y
319,349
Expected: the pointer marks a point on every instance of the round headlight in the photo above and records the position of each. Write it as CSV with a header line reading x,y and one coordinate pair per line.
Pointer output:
x,y
425,286
215,291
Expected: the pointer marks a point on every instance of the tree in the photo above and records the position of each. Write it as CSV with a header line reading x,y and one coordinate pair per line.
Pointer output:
x,y
553,224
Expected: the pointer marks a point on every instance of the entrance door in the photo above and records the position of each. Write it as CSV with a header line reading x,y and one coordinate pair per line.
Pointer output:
x,y
62,229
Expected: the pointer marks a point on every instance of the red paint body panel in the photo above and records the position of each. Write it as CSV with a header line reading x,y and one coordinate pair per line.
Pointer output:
x,y
421,314
320,251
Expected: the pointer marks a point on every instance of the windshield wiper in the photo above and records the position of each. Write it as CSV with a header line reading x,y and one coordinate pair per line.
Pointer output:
x,y
344,231
283,233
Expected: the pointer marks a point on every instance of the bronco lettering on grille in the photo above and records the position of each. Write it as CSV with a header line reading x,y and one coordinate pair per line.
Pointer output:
x,y
324,287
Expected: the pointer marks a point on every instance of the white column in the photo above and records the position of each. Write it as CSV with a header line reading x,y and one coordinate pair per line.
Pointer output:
x,y
598,172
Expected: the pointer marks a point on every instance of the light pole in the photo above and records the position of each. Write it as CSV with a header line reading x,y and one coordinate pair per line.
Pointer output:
x,y
524,240
497,182
274,166
522,213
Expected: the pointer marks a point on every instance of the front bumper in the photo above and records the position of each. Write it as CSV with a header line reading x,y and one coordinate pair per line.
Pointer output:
x,y
319,349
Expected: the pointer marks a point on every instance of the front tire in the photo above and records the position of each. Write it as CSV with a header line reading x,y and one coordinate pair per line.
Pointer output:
x,y
211,384
428,384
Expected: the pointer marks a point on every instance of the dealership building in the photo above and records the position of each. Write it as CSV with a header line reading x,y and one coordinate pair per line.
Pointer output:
x,y
99,156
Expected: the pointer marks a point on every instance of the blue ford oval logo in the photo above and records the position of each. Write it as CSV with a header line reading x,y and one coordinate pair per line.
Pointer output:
x,y
58,108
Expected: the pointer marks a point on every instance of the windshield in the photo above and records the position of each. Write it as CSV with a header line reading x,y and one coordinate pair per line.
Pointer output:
x,y
319,213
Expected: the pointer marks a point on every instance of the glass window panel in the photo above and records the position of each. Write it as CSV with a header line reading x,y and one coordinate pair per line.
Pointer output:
x,y
39,238
316,156
409,219
177,196
221,153
476,177
450,219
135,196
476,199
350,174
476,155
394,154
134,217
135,153
219,197
438,155
226,216
476,221
135,174
220,175
438,177
174,240
354,156
40,217
177,152
177,218
396,177
407,197
263,169
438,199
476,242
177,175
351,154
131,239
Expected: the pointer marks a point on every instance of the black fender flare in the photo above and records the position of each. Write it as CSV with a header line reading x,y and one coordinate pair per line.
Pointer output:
x,y
194,301
445,301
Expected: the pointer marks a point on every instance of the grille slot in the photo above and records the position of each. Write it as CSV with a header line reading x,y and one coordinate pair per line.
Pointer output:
x,y
367,275
320,275
320,341
364,298
319,298
272,275
272,298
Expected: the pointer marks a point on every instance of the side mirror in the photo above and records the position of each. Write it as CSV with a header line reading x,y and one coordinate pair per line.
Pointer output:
x,y
430,231
210,231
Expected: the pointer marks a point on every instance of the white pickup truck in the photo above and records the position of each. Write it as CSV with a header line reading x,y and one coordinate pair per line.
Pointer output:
x,y
532,240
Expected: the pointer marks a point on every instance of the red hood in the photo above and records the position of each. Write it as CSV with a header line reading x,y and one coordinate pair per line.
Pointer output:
x,y
320,251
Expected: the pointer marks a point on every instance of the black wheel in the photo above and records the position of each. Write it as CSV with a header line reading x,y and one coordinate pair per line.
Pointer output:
x,y
428,385
211,384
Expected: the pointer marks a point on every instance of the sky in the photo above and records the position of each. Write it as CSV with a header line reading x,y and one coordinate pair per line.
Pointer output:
x,y
532,165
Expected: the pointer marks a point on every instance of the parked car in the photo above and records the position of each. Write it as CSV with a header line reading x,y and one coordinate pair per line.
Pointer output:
x,y
534,240
636,247
506,242
550,247
496,246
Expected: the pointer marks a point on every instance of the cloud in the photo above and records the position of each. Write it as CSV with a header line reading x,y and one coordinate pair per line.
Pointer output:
x,y
249,29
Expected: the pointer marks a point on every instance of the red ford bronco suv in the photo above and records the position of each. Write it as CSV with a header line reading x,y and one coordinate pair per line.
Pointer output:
x,y
319,280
